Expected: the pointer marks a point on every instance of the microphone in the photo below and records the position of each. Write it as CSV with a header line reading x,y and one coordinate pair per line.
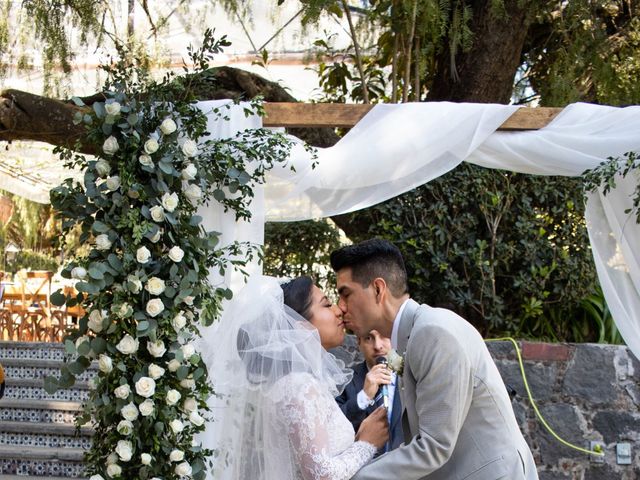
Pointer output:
x,y
384,390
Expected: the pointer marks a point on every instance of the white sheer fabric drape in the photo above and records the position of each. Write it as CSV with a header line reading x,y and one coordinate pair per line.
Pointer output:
x,y
396,148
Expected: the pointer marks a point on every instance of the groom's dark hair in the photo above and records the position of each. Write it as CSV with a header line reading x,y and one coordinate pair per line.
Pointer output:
x,y
371,259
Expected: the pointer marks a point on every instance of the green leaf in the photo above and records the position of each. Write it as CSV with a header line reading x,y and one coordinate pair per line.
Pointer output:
x,y
100,227
76,368
95,273
78,101
51,385
132,119
69,347
84,348
143,325
182,372
99,345
58,298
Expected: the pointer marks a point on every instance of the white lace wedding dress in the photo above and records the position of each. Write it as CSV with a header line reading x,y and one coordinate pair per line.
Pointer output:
x,y
308,420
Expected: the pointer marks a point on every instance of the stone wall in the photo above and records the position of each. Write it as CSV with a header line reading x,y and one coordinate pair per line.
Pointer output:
x,y
586,392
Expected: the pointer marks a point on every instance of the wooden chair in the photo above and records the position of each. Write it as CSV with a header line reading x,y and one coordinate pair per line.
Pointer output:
x,y
33,312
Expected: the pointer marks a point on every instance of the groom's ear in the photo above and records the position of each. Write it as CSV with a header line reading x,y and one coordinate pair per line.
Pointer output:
x,y
379,287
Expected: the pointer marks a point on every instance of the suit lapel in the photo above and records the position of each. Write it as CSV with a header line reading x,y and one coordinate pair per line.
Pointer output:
x,y
406,325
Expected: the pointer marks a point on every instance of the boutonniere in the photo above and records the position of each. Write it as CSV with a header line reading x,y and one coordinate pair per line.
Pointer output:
x,y
395,362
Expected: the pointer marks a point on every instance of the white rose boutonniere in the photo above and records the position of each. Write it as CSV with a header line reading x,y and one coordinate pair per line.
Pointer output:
x,y
395,362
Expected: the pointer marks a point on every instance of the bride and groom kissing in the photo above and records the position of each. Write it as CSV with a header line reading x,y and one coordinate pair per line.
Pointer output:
x,y
274,411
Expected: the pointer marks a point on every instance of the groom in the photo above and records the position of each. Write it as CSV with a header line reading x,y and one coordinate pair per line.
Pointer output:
x,y
458,422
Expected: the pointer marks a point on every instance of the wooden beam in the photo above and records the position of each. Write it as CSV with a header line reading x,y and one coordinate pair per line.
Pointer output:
x,y
308,115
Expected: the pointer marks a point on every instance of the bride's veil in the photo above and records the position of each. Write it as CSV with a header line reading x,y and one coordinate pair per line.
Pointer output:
x,y
259,341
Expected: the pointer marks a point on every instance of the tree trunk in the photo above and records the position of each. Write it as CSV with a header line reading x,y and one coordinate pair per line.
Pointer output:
x,y
487,70
25,116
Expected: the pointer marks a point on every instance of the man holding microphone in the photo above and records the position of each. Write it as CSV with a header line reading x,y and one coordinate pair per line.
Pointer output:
x,y
365,392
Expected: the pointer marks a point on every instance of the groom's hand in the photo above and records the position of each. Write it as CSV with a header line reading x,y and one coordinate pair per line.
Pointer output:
x,y
378,375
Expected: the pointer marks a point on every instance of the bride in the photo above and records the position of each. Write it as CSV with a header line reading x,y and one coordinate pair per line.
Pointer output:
x,y
274,413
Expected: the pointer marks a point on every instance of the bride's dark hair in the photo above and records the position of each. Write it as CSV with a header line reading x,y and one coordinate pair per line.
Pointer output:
x,y
297,294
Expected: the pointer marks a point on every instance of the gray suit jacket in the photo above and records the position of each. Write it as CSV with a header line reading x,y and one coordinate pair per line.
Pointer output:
x,y
458,421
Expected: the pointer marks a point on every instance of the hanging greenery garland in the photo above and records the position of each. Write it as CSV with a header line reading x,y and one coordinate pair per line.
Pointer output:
x,y
143,284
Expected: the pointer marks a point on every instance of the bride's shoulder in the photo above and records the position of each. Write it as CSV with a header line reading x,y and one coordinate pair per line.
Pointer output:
x,y
299,384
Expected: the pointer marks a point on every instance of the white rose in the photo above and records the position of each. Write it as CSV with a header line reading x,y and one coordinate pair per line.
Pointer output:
x,y
394,360
196,419
183,469
155,371
169,201
114,470
102,167
145,459
188,350
128,345
146,408
129,412
105,364
103,242
146,387
96,477
189,172
112,458
110,145
173,397
125,427
145,160
193,193
156,236
151,146
136,284
157,348
187,383
113,183
176,426
176,254
143,255
155,307
124,310
122,392
188,300
95,321
155,286
81,340
78,273
173,365
190,405
178,322
112,108
168,126
124,450
157,213
189,148
176,455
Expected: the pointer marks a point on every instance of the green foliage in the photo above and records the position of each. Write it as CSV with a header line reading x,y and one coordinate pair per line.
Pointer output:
x,y
604,176
30,260
502,249
144,280
301,248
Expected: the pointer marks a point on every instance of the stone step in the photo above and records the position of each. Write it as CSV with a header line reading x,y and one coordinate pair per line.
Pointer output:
x,y
49,411
33,350
39,369
41,461
49,435
30,477
27,389
46,428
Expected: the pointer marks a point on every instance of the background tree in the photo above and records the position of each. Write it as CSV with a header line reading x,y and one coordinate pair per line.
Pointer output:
x,y
481,51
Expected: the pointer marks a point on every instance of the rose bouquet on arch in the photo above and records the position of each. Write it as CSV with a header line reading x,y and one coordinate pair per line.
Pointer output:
x,y
143,284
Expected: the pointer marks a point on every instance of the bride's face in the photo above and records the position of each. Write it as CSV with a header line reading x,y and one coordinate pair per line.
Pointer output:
x,y
327,318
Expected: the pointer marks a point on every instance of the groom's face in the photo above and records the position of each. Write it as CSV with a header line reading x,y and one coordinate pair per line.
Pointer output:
x,y
356,302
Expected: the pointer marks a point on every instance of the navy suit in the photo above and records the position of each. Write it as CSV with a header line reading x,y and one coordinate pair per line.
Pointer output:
x,y
348,403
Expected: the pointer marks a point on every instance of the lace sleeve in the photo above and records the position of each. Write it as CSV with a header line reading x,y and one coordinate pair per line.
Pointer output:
x,y
309,418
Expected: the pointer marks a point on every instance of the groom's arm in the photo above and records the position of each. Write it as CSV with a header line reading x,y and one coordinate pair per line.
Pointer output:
x,y
444,387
